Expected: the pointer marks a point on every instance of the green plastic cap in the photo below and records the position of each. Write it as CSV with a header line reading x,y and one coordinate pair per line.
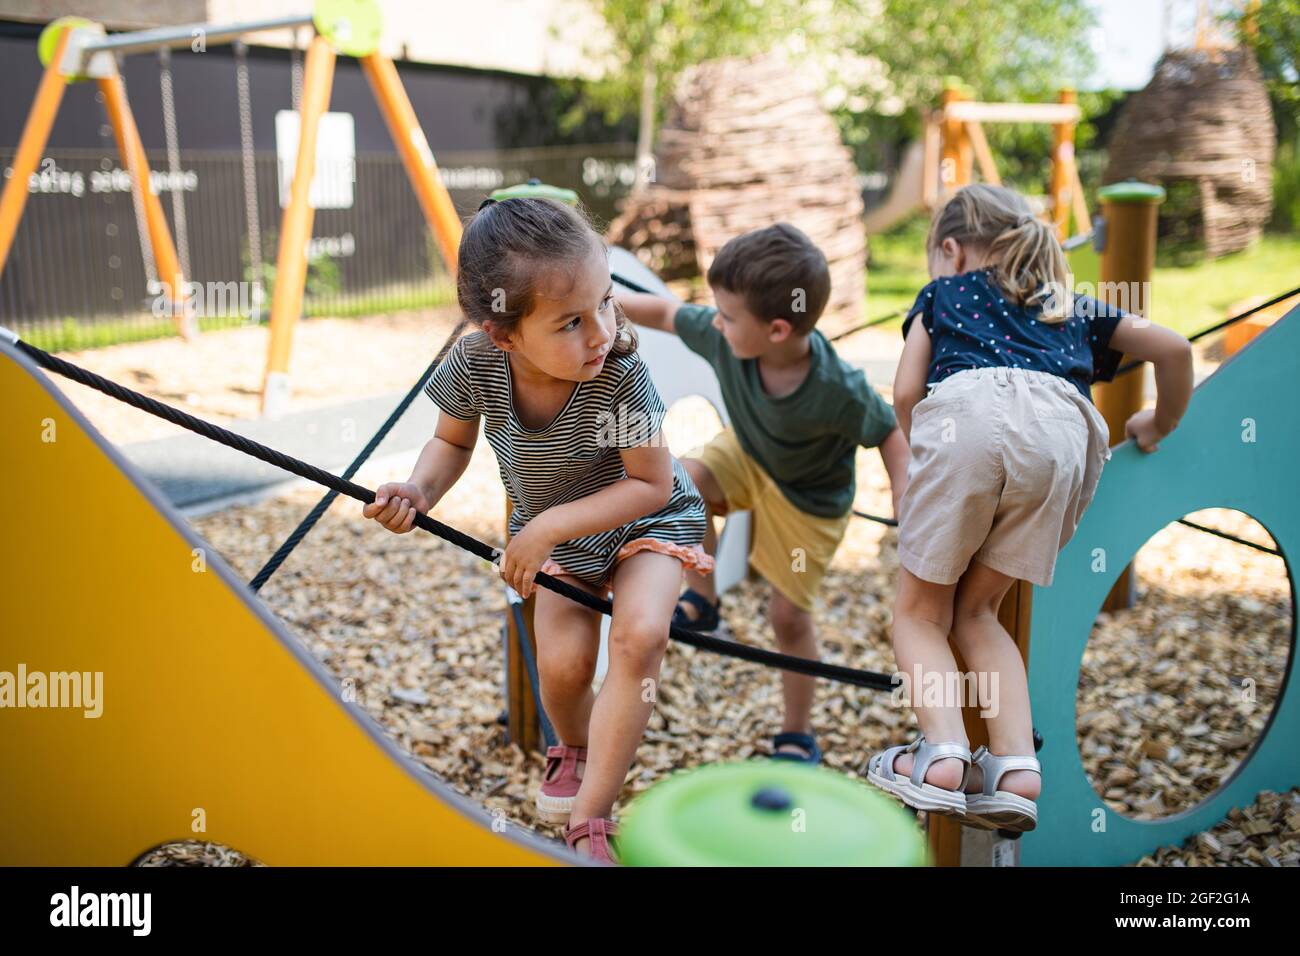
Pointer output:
x,y
352,27
767,813
535,189
1131,191
48,41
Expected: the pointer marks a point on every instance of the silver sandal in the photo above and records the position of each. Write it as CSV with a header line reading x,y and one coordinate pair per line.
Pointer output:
x,y
913,790
994,809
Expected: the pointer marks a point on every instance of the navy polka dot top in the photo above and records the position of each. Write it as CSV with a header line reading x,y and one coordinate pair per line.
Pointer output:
x,y
973,325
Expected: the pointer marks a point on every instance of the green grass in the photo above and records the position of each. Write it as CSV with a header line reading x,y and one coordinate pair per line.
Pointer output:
x,y
1198,296
1184,298
444,293
896,269
73,334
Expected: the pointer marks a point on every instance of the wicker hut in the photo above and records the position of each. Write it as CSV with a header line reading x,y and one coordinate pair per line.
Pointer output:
x,y
1203,129
747,144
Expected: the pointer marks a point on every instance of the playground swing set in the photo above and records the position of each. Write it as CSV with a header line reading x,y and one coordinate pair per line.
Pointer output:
x,y
74,49
953,147
373,801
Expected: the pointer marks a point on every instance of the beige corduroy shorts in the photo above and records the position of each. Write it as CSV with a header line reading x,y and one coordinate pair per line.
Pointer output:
x,y
1004,462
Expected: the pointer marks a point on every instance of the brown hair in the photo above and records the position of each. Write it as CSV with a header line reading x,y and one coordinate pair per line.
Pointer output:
x,y
1027,260
508,247
769,268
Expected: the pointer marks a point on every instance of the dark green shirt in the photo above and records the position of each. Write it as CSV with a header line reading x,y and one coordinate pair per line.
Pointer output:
x,y
806,440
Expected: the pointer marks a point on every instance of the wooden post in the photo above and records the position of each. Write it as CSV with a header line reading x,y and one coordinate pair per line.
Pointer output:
x,y
525,725
36,132
988,167
956,162
295,229
416,156
945,834
129,145
1062,171
1127,259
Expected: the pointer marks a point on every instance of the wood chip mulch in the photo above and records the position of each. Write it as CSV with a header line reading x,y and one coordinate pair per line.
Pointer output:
x,y
1165,714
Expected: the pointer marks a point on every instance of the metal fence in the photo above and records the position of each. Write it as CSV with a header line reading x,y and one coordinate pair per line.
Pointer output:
x,y
80,276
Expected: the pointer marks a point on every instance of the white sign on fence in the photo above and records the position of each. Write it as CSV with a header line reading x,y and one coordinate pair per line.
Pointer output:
x,y
336,151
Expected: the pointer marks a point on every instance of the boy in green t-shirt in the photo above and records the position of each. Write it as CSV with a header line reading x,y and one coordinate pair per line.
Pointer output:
x,y
798,413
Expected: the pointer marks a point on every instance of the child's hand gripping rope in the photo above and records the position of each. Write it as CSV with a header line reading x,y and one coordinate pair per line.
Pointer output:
x,y
396,505
526,553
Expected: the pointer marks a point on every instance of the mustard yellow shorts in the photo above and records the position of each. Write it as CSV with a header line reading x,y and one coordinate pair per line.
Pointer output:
x,y
791,549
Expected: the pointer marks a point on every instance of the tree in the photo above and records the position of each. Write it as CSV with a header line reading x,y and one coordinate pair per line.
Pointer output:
x,y
881,62
1272,29
650,42
889,60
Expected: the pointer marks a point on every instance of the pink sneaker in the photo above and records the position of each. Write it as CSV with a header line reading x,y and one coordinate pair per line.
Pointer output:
x,y
560,783
598,830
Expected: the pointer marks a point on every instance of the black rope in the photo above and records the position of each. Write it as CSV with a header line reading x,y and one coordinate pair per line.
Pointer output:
x,y
1128,368
1222,325
1230,537
635,287
890,522
866,325
716,645
323,505
530,667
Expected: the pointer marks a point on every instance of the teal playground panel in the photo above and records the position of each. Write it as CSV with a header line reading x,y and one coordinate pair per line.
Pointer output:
x,y
1207,463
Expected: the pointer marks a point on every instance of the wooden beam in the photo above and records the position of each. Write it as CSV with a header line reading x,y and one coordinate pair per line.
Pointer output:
x,y
295,227
945,833
1062,188
932,150
131,148
1126,265
36,132
1082,218
983,155
525,725
411,144
965,111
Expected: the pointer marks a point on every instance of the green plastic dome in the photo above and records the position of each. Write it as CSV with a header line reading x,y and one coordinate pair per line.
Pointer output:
x,y
767,813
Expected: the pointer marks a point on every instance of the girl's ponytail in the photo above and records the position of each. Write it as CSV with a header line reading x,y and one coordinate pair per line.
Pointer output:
x,y
1027,260
1029,265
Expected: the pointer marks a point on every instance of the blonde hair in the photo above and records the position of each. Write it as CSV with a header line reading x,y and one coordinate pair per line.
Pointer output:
x,y
1024,254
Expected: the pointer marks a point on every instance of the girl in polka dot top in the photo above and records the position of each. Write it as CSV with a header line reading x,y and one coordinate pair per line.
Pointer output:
x,y
993,395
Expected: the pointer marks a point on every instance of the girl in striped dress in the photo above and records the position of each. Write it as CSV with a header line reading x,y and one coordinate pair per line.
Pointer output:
x,y
569,409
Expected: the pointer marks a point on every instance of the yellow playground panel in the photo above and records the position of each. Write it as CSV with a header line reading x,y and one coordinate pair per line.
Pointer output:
x,y
209,714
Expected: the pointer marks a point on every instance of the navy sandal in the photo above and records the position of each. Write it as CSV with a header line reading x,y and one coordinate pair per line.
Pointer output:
x,y
806,742
708,619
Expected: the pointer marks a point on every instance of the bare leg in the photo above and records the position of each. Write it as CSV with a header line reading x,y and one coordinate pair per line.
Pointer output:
x,y
645,587
922,619
989,650
796,635
568,638
715,503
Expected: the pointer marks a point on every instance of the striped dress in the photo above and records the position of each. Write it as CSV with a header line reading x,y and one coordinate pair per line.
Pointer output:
x,y
575,455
